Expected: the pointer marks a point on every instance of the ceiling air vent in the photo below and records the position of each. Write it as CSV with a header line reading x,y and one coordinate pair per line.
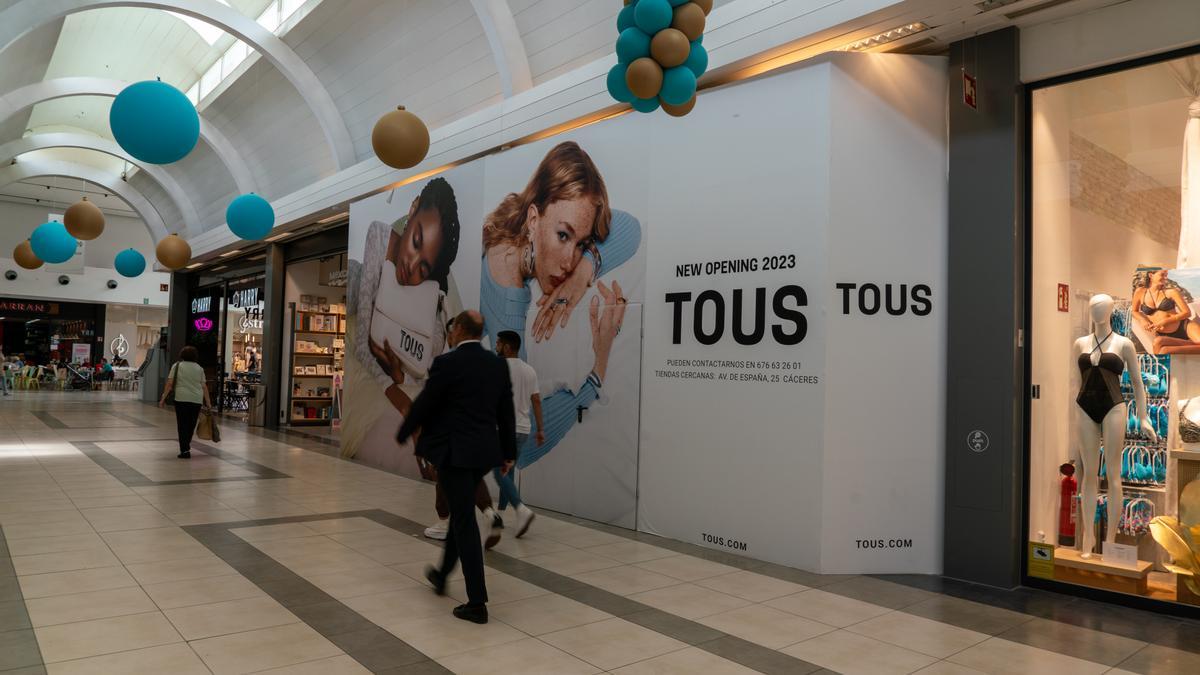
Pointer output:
x,y
1017,14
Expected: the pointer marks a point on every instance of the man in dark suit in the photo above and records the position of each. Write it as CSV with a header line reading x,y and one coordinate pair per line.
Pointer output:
x,y
468,427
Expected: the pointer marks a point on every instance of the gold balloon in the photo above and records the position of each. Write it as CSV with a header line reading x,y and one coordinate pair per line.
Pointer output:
x,y
84,220
678,110
173,252
689,18
400,139
25,256
705,5
644,77
670,47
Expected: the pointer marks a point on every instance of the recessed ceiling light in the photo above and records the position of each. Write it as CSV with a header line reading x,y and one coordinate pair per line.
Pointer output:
x,y
277,237
193,266
229,253
885,37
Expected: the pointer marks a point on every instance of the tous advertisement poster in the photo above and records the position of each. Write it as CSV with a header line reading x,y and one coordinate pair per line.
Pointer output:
x,y
546,247
735,317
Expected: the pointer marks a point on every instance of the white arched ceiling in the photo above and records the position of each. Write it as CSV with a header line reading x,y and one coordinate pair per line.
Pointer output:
x,y
25,15
507,47
48,90
36,169
177,194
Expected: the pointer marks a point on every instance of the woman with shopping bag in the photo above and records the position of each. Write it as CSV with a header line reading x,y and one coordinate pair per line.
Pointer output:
x,y
186,379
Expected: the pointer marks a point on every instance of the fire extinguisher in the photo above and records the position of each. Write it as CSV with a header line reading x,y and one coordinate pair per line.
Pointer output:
x,y
1068,506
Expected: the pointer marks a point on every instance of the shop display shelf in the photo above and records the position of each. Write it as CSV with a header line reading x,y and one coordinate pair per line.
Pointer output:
x,y
313,354
309,420
1186,453
319,332
298,376
312,398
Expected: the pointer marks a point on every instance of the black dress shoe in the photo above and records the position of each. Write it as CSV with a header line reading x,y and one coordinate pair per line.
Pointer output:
x,y
433,576
186,454
472,613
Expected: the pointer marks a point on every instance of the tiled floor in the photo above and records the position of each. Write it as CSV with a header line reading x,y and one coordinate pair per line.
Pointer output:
x,y
271,554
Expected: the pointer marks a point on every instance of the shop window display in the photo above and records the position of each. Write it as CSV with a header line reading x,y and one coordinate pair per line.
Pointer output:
x,y
1114,499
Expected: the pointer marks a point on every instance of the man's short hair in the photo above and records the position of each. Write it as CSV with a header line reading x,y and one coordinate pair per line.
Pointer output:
x,y
509,339
471,324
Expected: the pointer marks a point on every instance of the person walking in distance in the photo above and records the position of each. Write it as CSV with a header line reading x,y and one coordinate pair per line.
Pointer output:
x,y
468,427
186,379
4,372
526,396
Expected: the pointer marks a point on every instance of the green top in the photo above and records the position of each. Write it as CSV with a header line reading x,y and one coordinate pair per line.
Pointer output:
x,y
189,381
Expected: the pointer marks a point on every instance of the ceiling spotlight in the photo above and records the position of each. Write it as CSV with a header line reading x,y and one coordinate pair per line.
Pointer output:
x,y
885,37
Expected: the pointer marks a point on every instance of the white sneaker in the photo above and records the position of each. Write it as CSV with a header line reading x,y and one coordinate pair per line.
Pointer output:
x,y
438,530
489,534
525,516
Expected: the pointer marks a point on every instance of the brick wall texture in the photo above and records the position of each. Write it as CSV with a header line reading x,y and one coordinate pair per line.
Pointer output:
x,y
1103,184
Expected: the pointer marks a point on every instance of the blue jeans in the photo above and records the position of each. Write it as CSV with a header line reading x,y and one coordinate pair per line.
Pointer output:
x,y
509,494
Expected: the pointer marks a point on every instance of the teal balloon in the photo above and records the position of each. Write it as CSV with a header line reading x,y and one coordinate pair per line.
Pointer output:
x,y
653,15
646,105
679,85
250,217
632,44
625,18
130,263
616,83
154,122
676,3
697,60
52,243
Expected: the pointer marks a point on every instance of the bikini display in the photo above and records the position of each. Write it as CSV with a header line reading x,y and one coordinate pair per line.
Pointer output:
x,y
1165,304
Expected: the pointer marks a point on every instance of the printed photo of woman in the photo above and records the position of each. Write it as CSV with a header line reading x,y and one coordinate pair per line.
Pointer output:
x,y
397,305
546,246
1162,308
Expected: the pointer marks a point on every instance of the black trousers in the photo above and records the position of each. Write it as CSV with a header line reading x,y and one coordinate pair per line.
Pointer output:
x,y
462,540
186,415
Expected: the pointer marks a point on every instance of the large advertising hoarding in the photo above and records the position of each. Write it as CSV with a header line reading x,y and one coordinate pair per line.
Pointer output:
x,y
747,336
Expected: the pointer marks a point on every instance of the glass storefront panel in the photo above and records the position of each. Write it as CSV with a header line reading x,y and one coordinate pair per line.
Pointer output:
x,y
1114,498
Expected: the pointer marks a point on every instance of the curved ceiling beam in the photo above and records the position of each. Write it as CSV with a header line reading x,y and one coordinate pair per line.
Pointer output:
x,y
508,49
25,15
47,90
177,194
36,169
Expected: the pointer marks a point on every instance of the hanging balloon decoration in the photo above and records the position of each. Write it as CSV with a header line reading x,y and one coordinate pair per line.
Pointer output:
x,y
84,220
173,252
154,122
52,243
25,256
659,54
130,263
250,217
400,139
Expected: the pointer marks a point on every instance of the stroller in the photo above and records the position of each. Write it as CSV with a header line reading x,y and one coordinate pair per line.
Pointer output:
x,y
79,379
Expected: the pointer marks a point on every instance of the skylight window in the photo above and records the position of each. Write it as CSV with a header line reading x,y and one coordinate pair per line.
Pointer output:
x,y
207,32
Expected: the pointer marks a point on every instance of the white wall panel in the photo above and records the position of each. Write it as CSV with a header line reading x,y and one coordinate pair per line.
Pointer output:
x,y
429,55
207,181
24,63
160,200
277,135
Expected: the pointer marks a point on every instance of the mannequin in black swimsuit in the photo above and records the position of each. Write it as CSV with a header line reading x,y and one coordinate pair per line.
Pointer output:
x,y
1101,357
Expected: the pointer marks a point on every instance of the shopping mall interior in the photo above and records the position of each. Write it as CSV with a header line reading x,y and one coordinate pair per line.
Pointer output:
x,y
644,337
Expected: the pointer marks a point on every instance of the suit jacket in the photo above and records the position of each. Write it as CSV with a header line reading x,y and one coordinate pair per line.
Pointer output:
x,y
465,412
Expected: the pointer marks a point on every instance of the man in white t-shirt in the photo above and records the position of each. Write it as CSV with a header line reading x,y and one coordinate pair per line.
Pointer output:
x,y
525,397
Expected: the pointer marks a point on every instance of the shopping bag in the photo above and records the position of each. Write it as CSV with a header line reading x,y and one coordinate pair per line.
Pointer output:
x,y
216,430
204,429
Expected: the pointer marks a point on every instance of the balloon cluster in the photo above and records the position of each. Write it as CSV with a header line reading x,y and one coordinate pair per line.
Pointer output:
x,y
659,54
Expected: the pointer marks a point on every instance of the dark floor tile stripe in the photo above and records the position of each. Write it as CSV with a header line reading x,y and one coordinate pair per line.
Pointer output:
x,y
136,421
131,477
48,419
373,647
19,649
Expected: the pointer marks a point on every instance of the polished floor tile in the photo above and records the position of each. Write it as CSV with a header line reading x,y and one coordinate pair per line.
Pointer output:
x,y
852,654
114,579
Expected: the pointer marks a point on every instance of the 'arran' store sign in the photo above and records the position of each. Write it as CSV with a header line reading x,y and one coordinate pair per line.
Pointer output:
x,y
26,307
